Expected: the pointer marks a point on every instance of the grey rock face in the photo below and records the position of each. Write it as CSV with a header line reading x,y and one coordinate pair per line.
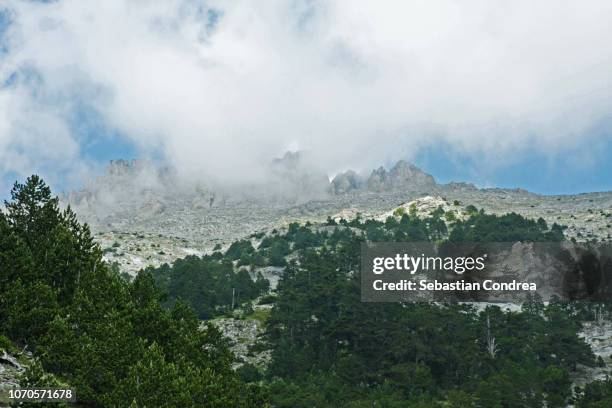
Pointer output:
x,y
137,186
10,370
598,335
293,177
137,190
156,218
346,182
403,176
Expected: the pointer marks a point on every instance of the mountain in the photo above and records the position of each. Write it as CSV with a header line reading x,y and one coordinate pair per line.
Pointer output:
x,y
402,176
138,189
154,216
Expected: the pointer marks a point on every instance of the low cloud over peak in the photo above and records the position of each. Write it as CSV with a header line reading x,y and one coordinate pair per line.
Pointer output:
x,y
217,89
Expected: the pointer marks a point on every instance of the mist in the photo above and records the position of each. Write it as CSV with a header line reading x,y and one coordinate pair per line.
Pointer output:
x,y
219,89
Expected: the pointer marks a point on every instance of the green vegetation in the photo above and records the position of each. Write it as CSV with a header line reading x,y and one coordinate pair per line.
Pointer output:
x,y
274,249
209,284
260,315
511,227
109,339
330,349
597,394
139,344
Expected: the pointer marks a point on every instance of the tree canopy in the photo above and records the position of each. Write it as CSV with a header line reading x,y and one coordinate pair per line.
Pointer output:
x,y
109,339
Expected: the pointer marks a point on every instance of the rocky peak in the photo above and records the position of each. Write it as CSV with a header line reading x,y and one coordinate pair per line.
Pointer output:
x,y
346,182
140,189
402,176
295,176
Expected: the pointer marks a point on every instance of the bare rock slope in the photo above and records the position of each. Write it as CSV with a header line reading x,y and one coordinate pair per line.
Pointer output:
x,y
143,215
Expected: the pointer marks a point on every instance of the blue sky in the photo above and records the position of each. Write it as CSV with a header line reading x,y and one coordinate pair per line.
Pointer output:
x,y
514,98
533,171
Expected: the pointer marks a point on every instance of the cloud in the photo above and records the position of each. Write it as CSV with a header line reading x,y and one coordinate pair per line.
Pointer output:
x,y
218,88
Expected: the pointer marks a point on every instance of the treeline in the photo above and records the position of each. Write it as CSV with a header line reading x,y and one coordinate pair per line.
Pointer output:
x,y
597,394
209,284
330,349
438,226
89,329
481,227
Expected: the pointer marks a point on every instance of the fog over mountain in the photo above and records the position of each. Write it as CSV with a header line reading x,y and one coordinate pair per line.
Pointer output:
x,y
138,197
221,88
140,186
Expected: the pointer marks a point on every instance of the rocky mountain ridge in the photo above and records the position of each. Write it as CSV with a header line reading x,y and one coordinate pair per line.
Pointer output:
x,y
140,185
402,176
145,215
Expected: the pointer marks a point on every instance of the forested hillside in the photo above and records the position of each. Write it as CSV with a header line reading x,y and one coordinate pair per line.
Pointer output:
x,y
89,329
148,343
330,349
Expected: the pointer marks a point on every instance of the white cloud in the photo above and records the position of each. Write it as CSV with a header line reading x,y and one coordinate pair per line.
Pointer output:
x,y
354,82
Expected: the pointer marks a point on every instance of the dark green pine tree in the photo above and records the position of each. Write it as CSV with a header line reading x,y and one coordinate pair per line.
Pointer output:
x,y
93,330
